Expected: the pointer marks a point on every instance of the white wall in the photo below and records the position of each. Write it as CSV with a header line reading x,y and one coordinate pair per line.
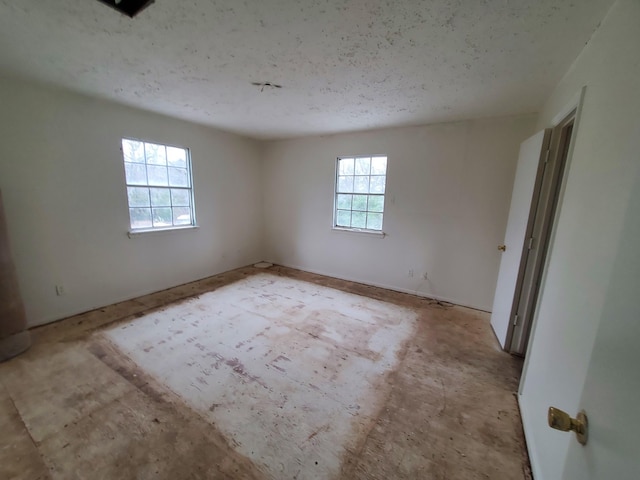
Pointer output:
x,y
583,352
62,179
448,193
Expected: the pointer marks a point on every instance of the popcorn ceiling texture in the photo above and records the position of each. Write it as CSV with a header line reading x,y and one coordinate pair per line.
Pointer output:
x,y
344,65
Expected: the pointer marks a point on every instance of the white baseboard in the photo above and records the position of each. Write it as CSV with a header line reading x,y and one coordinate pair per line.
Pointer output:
x,y
533,456
119,299
385,286
140,293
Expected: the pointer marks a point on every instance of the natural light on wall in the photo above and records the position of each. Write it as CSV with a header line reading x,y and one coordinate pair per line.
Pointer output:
x,y
159,185
360,188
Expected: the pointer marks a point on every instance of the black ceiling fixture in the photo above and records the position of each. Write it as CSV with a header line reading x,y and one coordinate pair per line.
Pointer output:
x,y
128,7
262,85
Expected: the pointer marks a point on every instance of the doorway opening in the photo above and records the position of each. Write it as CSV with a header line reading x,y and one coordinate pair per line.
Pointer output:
x,y
541,220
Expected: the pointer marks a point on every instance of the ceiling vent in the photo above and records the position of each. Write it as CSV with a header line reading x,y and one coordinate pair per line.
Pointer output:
x,y
128,7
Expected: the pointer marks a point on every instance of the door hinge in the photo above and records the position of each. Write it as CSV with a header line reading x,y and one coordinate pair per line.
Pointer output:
x,y
515,320
546,155
530,243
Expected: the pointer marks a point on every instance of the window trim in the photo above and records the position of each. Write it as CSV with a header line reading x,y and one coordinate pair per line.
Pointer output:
x,y
361,231
132,232
366,231
144,231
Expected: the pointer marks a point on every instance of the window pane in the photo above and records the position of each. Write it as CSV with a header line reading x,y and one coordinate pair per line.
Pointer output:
x,y
344,202
363,166
180,198
360,192
132,151
360,202
161,217
345,166
377,184
359,220
361,185
177,157
160,197
343,218
178,177
374,221
136,174
376,203
379,166
157,175
345,184
156,154
140,217
138,197
166,170
181,216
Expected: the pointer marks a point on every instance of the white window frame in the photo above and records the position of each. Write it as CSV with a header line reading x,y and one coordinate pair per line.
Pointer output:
x,y
350,229
190,188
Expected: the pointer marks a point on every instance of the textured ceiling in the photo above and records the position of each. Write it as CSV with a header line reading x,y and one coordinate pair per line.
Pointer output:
x,y
343,65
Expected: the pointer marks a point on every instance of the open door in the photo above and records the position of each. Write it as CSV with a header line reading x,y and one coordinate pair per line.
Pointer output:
x,y
533,206
526,189
537,237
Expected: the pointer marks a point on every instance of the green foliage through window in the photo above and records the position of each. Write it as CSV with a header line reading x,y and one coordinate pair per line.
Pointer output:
x,y
360,189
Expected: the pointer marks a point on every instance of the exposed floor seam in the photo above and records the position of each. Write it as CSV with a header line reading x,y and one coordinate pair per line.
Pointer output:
x,y
348,469
401,429
26,429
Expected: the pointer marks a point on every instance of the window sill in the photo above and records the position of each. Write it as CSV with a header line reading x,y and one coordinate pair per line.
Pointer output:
x,y
373,233
137,233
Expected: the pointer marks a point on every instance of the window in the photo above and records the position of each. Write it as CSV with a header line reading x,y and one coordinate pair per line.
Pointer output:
x,y
159,185
360,186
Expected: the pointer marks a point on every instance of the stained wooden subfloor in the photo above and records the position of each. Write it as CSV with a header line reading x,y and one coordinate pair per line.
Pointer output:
x,y
75,407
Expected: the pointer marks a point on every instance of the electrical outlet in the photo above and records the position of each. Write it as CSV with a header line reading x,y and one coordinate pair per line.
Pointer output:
x,y
410,273
60,290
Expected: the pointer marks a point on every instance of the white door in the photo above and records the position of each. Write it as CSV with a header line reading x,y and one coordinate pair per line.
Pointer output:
x,y
583,355
519,213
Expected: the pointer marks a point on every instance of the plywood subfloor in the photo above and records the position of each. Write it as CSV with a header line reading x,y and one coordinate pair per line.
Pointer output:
x,y
264,374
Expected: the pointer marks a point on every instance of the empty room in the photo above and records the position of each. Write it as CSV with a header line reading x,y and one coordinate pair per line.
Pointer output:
x,y
319,239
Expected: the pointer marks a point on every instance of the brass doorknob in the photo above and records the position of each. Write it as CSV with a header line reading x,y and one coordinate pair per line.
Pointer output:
x,y
502,247
562,421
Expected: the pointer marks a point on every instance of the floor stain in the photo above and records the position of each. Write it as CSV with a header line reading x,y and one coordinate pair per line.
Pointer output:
x,y
445,407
